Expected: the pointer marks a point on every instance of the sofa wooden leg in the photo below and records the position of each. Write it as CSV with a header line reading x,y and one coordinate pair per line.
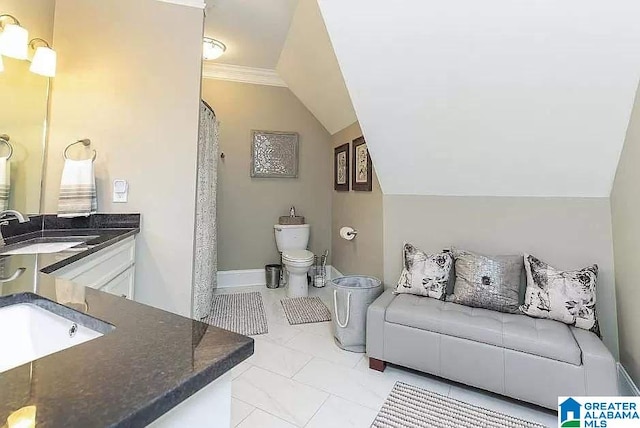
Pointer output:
x,y
376,364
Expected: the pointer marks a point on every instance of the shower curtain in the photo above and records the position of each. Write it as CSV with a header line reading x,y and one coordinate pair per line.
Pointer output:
x,y
206,252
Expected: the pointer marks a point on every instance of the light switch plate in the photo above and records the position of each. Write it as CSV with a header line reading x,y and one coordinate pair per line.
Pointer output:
x,y
120,191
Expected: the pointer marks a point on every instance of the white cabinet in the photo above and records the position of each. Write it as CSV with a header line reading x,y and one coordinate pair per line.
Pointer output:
x,y
111,270
121,285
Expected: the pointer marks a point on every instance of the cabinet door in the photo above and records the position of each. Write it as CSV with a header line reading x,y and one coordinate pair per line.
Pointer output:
x,y
99,269
121,285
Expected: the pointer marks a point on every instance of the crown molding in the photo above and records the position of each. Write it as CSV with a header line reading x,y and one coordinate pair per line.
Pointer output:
x,y
200,4
237,73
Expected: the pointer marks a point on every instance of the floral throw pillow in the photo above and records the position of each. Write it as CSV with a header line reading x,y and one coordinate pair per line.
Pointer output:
x,y
424,274
566,296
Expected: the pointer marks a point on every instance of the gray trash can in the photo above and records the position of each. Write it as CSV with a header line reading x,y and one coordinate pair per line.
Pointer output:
x,y
272,275
352,296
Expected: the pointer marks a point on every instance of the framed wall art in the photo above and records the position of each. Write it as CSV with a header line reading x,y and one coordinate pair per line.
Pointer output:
x,y
341,168
362,169
274,154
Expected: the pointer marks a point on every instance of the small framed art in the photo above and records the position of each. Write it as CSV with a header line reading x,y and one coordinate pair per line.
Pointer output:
x,y
362,169
341,168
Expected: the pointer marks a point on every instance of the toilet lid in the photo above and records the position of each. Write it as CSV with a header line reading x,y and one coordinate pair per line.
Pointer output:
x,y
297,255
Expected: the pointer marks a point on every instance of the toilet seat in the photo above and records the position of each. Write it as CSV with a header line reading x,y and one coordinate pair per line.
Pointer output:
x,y
297,257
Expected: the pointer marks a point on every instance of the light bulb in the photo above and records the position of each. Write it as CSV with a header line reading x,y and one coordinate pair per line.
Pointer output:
x,y
44,62
24,417
212,49
14,41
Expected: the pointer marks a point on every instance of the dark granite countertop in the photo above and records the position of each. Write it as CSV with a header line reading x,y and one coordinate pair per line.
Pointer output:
x,y
150,362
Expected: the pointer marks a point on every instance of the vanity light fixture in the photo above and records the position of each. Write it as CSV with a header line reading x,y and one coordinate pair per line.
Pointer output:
x,y
14,38
44,60
212,49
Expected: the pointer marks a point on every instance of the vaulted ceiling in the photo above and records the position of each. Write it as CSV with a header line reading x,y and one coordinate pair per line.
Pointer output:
x,y
494,97
309,67
253,30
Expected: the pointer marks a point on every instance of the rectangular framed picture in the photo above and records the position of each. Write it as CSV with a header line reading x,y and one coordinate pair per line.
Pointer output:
x,y
274,154
341,168
362,169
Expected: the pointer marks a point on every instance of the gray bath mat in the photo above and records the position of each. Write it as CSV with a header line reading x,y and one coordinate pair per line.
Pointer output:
x,y
410,407
240,312
304,310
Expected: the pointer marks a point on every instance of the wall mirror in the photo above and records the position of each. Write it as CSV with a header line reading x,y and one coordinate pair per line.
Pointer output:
x,y
24,101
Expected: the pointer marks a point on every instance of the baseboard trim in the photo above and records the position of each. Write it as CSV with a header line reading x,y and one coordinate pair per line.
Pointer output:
x,y
626,382
241,278
252,277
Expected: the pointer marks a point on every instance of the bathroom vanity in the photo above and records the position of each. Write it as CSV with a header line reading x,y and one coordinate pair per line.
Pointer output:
x,y
94,357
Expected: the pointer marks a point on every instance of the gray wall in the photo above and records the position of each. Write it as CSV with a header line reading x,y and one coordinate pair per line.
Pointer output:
x,y
249,207
568,233
134,90
625,211
363,212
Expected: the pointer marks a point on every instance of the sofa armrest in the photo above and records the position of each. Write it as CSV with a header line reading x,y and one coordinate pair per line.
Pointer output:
x,y
375,324
601,375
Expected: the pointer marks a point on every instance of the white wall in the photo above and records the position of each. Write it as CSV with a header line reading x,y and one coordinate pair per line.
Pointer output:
x,y
495,97
129,79
309,67
625,207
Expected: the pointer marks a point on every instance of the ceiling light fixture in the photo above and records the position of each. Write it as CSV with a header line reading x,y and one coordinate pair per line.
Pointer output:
x,y
212,49
44,60
13,39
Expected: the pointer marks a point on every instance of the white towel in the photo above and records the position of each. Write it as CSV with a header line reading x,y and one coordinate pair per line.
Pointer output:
x,y
77,189
5,183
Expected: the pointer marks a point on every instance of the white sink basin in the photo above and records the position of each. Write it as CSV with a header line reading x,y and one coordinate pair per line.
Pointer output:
x,y
29,332
43,248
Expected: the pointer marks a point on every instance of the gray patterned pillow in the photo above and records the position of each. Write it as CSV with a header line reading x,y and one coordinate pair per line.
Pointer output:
x,y
565,296
487,282
424,274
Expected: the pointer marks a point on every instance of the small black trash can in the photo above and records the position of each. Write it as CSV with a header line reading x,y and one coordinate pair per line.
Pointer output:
x,y
272,275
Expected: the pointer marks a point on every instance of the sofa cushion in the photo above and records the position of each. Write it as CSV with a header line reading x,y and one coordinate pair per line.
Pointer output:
x,y
542,337
566,296
489,282
424,274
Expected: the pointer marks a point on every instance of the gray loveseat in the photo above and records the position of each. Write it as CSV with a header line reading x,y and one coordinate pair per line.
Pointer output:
x,y
529,359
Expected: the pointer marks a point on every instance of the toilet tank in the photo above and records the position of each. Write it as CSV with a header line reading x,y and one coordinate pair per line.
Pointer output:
x,y
292,236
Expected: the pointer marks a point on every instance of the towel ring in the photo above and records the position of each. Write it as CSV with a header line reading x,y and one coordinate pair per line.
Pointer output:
x,y
4,139
85,142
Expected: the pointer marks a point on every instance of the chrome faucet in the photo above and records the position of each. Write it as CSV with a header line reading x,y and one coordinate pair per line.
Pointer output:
x,y
7,215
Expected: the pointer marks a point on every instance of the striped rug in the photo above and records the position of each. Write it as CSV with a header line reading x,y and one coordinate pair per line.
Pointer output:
x,y
411,407
304,310
239,312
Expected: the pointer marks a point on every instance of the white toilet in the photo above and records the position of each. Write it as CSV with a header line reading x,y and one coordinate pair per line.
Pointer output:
x,y
292,242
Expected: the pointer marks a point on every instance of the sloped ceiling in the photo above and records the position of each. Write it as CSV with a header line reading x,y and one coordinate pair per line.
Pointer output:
x,y
254,31
493,97
309,67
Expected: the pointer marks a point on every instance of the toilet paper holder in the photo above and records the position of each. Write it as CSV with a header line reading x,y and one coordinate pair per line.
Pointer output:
x,y
348,233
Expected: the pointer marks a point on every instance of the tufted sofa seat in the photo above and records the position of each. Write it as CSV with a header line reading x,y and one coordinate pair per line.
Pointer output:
x,y
529,359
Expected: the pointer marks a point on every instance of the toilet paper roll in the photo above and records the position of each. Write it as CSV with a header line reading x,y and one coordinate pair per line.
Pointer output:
x,y
347,233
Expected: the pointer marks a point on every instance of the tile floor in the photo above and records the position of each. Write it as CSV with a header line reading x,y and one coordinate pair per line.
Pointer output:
x,y
298,377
